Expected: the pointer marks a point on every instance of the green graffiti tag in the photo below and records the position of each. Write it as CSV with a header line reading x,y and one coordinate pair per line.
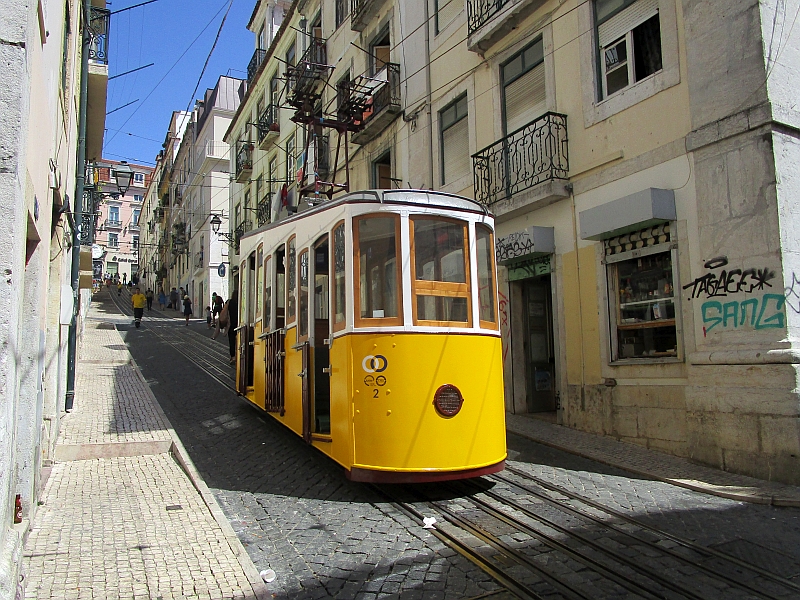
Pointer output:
x,y
766,313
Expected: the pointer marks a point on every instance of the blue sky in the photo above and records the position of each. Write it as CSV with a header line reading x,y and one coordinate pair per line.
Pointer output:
x,y
159,33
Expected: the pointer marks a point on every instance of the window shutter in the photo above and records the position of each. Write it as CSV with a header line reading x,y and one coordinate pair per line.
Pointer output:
x,y
455,151
446,11
624,21
525,99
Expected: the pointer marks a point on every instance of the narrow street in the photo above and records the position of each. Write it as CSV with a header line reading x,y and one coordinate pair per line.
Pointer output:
x,y
552,525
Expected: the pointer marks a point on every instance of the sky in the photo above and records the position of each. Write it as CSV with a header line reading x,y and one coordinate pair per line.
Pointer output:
x,y
160,33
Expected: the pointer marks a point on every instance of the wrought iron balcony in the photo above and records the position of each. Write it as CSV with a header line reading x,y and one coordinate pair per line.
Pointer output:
x,y
198,260
371,102
362,12
263,211
269,126
99,21
244,161
113,223
255,62
306,80
317,165
480,12
534,153
237,235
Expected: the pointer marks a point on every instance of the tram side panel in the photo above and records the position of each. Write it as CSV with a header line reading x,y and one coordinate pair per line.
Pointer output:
x,y
396,425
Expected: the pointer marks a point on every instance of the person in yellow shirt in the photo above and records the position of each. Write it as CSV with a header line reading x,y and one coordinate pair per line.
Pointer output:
x,y
139,301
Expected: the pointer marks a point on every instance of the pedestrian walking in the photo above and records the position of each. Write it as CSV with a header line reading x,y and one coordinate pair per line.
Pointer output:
x,y
208,317
233,323
216,307
149,295
173,299
124,278
119,288
187,308
222,320
162,299
138,300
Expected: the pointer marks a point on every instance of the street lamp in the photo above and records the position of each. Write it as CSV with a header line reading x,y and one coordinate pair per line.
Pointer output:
x,y
123,175
216,222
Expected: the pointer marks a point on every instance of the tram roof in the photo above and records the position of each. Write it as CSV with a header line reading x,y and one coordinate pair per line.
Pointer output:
x,y
422,198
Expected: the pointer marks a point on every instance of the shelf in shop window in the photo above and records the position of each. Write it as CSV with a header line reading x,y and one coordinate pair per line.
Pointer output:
x,y
647,324
645,302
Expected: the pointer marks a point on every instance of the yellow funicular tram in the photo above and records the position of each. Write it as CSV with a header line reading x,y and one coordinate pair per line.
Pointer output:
x,y
369,326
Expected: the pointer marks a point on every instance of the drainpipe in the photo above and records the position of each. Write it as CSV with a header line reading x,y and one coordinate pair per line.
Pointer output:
x,y
78,208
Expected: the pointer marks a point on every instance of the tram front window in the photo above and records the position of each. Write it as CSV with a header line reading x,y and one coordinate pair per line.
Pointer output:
x,y
378,268
440,267
486,293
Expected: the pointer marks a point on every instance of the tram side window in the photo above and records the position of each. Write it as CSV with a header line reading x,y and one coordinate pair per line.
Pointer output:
x,y
280,287
267,312
486,281
378,268
339,290
243,293
302,325
291,296
440,271
259,282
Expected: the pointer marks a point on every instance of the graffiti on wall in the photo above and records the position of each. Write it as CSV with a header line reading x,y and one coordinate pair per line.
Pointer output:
x,y
792,294
762,308
505,331
514,245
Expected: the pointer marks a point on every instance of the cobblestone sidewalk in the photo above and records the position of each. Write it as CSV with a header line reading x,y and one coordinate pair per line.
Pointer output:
x,y
120,517
653,464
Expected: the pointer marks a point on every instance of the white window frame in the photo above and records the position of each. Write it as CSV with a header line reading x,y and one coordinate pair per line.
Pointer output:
x,y
596,110
442,129
138,178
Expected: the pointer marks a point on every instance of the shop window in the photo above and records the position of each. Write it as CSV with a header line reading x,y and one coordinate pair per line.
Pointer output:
x,y
440,287
629,39
339,281
486,276
377,270
642,295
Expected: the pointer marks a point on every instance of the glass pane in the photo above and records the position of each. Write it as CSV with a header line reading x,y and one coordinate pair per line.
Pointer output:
x,y
442,308
378,267
303,317
292,266
267,314
606,7
646,309
339,292
439,251
259,281
321,283
647,48
243,293
485,273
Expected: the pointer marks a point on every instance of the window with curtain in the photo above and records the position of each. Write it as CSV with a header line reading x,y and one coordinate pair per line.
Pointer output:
x,y
454,140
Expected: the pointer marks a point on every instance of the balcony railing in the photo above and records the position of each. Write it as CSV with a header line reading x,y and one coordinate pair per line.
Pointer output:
x,y
255,62
237,235
362,12
373,102
244,161
113,223
99,22
480,12
269,126
212,149
198,260
263,212
304,82
532,154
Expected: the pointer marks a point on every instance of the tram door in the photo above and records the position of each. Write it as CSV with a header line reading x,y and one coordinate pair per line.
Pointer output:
x,y
539,352
246,321
321,384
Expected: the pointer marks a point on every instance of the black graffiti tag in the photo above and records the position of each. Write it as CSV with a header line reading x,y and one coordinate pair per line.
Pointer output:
x,y
516,244
792,295
731,281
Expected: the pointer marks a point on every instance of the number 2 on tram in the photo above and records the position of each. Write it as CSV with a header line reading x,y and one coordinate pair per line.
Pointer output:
x,y
369,327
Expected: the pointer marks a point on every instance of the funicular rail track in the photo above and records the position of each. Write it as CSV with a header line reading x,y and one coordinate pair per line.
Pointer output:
x,y
512,524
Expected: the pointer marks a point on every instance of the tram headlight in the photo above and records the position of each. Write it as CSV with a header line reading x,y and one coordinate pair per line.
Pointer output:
x,y
448,400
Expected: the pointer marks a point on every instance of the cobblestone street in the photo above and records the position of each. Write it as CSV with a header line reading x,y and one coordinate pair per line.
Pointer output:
x,y
324,536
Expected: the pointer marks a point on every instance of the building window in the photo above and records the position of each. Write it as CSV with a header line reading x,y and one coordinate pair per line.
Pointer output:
x,y
380,51
440,285
641,295
113,214
382,172
137,198
262,40
524,95
342,10
290,56
454,140
629,40
138,179
446,11
273,176
113,240
135,217
135,242
377,270
290,158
